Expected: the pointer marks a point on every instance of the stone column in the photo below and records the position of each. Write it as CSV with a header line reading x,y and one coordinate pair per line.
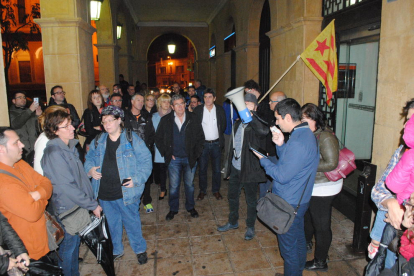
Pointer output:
x,y
107,54
4,109
67,48
201,70
125,66
247,62
141,70
223,65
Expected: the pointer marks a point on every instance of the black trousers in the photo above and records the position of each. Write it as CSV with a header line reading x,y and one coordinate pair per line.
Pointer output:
x,y
318,223
146,195
160,175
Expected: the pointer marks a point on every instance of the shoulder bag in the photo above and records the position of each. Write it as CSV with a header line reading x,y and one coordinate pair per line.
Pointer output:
x,y
276,213
346,164
54,231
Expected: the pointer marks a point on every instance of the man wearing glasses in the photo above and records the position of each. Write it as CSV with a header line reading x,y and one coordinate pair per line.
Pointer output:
x,y
58,98
116,100
23,120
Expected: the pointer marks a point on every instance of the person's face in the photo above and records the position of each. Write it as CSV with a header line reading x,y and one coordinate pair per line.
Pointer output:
x,y
115,89
165,105
13,150
197,84
273,101
193,103
250,106
179,107
58,95
150,102
97,100
252,91
409,114
19,100
65,131
209,99
104,91
116,101
176,88
156,94
311,123
191,92
131,90
283,123
138,102
111,125
144,86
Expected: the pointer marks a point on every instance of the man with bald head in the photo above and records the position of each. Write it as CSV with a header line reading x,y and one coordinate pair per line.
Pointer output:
x,y
274,98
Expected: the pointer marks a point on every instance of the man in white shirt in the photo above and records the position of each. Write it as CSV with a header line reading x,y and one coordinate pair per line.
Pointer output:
x,y
213,120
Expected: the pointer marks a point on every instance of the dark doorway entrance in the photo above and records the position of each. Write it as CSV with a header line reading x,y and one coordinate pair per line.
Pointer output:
x,y
264,48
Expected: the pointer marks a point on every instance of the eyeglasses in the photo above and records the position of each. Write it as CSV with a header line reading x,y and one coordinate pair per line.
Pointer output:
x,y
178,104
60,92
107,121
273,101
21,97
115,101
67,126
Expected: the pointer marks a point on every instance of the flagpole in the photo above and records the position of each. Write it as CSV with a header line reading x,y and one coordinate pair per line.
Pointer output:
x,y
273,86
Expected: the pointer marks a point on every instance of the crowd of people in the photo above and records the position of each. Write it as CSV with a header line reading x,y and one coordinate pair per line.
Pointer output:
x,y
135,138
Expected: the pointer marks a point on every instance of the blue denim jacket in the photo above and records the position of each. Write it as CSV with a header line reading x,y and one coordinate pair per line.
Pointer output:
x,y
133,161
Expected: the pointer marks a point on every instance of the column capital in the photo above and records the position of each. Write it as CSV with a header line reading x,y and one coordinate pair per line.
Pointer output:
x,y
65,22
245,46
107,46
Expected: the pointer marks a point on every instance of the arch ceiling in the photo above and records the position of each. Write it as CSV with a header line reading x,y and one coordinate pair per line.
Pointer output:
x,y
180,13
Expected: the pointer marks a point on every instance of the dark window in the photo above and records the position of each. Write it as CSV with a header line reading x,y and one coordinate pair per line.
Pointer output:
x,y
230,41
162,70
346,80
179,69
25,71
21,7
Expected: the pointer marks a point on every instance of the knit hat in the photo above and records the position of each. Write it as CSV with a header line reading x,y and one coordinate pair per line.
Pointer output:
x,y
113,110
250,98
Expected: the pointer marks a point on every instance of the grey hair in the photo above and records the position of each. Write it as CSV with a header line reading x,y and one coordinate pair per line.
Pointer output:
x,y
177,97
137,94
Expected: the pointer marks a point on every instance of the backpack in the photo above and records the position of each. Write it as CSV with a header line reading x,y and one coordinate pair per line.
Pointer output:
x,y
128,133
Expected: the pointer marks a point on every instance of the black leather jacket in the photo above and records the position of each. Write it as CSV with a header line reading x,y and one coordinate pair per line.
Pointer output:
x,y
194,137
9,238
143,127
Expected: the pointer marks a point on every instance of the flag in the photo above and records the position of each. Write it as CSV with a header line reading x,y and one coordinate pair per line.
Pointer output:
x,y
320,57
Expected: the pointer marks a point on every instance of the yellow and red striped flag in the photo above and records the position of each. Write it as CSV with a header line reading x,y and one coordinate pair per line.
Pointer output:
x,y
320,57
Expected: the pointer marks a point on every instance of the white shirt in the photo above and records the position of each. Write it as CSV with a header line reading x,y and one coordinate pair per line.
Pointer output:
x,y
40,146
178,121
209,124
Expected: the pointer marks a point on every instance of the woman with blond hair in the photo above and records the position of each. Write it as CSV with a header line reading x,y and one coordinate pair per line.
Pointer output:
x,y
150,105
42,140
160,169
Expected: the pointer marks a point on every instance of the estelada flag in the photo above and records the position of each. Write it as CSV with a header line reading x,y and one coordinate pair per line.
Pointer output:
x,y
320,57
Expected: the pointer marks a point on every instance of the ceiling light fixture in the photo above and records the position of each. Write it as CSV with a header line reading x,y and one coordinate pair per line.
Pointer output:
x,y
171,48
118,30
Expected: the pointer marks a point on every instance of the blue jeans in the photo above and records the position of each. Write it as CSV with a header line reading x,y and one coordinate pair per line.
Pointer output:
x,y
211,151
69,252
176,168
119,215
292,244
376,234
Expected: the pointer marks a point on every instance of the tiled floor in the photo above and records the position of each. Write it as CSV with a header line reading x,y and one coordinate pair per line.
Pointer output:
x,y
188,246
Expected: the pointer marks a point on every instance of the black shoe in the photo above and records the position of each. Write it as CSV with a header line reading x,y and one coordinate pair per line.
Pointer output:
x,y
80,260
142,258
171,215
309,246
193,213
316,265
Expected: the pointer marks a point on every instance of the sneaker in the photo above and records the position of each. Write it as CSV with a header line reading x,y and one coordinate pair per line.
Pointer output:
x,y
227,227
142,258
148,208
249,234
118,256
372,250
